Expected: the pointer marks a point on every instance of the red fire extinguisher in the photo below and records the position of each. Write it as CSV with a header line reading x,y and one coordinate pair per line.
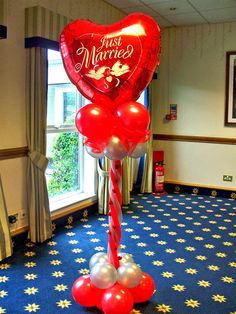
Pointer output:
x,y
159,171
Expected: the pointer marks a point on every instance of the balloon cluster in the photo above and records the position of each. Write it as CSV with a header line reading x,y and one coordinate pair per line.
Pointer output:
x,y
112,290
123,132
111,65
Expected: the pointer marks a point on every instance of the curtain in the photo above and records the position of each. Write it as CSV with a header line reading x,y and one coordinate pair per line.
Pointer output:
x,y
146,185
5,236
103,166
36,109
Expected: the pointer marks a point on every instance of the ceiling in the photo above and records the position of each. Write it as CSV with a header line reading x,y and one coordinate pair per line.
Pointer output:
x,y
169,13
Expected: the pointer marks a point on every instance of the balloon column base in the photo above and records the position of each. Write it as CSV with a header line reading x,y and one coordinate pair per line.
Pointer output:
x,y
114,300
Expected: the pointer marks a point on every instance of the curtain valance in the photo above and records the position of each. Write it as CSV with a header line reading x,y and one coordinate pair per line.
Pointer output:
x,y
43,27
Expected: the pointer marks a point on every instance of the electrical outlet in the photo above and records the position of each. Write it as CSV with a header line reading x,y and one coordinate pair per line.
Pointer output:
x,y
227,177
13,219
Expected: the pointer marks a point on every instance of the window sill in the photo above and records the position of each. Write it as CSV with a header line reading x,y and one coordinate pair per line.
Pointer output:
x,y
62,207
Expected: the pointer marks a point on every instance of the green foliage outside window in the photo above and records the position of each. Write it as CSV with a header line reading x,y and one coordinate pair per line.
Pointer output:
x,y
64,162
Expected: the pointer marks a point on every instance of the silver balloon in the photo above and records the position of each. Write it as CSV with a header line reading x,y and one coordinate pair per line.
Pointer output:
x,y
98,258
115,149
92,153
140,150
103,276
129,275
126,258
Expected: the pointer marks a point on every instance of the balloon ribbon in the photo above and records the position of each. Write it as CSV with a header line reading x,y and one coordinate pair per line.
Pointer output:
x,y
115,213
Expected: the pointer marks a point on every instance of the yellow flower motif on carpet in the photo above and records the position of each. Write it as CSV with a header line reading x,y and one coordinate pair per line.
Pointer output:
x,y
163,308
191,271
201,257
4,278
134,236
135,312
220,254
64,303
31,290
149,253
30,264
161,242
192,303
154,235
158,263
209,246
190,248
2,310
199,238
58,274
30,254
219,298
84,271
213,267
60,287
51,243
227,279
76,250
170,251
232,264
80,260
91,232
31,276
179,288
228,243
180,240
180,260
3,293
53,252
99,248
142,244
204,283
5,266
167,274
216,236
55,262
73,241
32,307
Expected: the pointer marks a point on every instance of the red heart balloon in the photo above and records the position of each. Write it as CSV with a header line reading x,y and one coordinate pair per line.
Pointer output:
x,y
114,63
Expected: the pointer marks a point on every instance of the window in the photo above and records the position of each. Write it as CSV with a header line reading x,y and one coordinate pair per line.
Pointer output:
x,y
68,162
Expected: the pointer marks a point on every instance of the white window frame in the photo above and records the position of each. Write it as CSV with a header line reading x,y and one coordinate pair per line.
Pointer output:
x,y
88,163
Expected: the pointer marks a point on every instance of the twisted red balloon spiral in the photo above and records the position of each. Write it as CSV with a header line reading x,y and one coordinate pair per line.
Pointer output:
x,y
115,213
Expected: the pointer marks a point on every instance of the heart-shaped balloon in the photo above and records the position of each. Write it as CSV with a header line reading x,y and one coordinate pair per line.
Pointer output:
x,y
111,64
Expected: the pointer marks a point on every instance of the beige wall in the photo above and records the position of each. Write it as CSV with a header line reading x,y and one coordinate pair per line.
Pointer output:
x,y
192,75
12,84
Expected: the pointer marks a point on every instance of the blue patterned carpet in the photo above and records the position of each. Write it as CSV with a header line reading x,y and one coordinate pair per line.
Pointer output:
x,y
185,242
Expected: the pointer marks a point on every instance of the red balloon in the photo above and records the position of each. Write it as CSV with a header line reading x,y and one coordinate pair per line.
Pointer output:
x,y
133,116
95,122
114,63
85,293
117,300
144,290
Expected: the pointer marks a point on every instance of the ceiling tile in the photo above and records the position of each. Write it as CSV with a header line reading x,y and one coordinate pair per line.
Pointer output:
x,y
220,15
212,4
123,3
163,8
162,22
185,19
141,8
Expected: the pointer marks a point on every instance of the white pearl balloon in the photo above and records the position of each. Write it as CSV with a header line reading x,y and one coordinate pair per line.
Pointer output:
x,y
126,258
103,276
99,257
129,275
115,149
92,153
140,150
